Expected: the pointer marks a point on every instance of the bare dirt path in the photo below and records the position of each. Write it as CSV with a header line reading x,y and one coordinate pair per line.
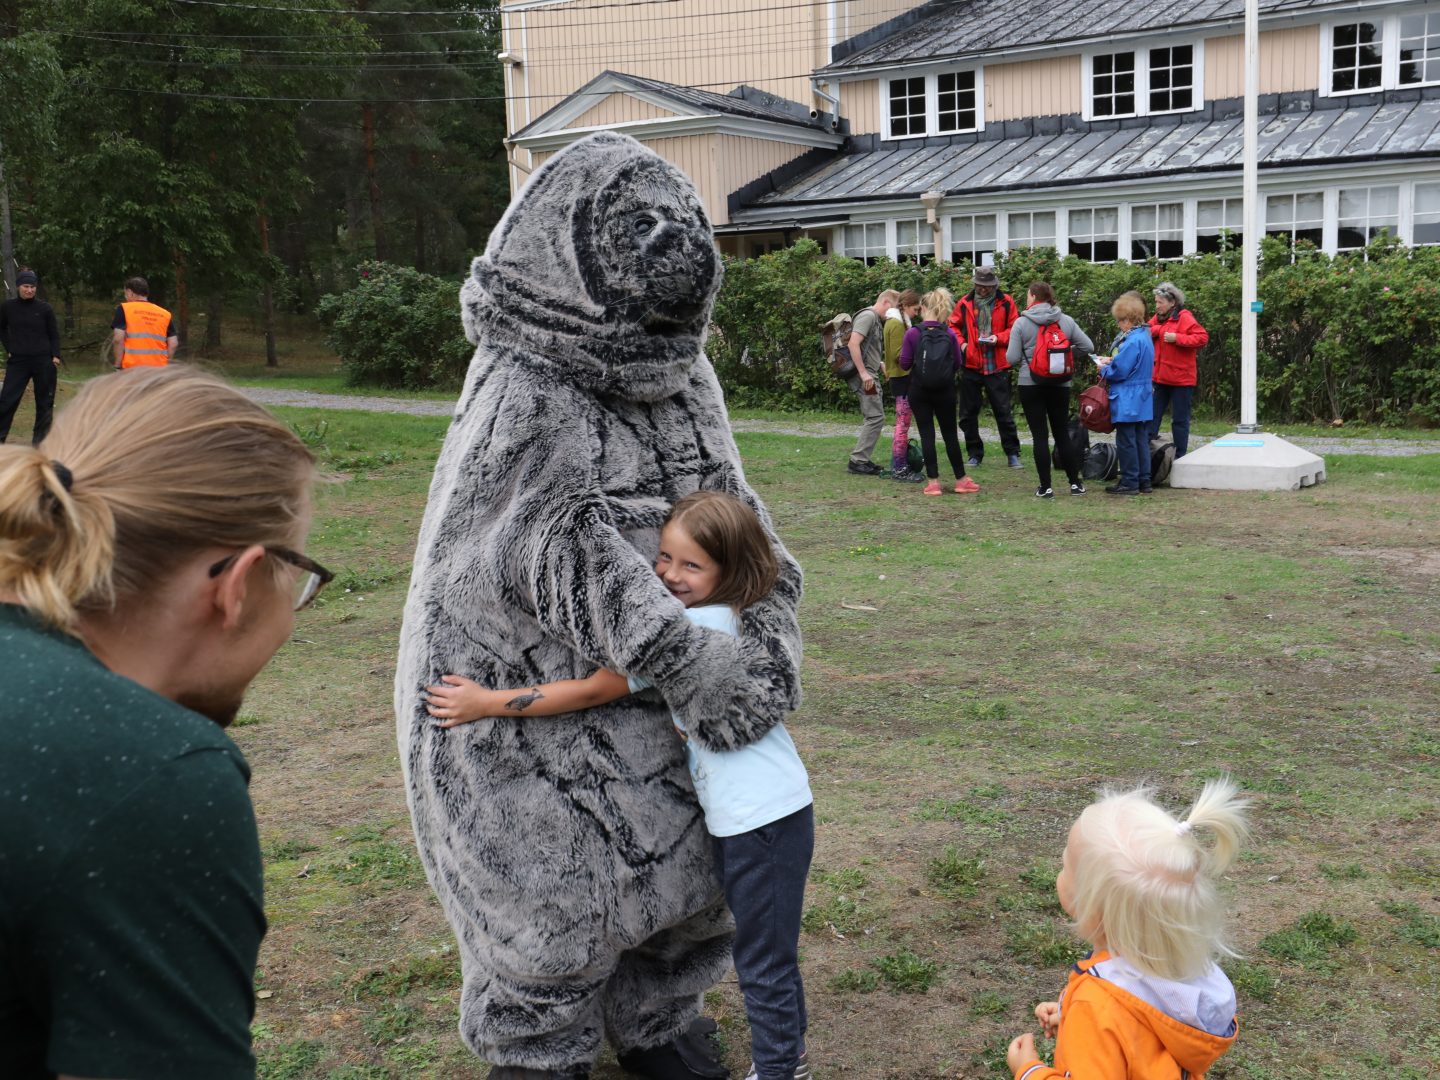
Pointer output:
x,y
310,399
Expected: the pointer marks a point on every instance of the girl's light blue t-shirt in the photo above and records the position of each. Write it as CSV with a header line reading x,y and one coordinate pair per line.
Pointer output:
x,y
742,789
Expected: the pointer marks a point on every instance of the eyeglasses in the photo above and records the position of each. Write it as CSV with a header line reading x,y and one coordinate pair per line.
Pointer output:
x,y
314,578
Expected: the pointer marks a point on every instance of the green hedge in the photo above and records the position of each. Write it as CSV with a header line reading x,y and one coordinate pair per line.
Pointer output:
x,y
397,328
1355,337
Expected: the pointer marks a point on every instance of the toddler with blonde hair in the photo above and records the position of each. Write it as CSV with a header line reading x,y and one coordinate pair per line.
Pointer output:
x,y
1149,1001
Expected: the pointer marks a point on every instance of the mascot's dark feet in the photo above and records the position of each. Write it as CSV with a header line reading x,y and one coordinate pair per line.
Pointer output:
x,y
517,1072
691,1056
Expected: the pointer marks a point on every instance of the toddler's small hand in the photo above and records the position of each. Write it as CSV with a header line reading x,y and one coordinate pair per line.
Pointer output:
x,y
1022,1049
1048,1013
446,701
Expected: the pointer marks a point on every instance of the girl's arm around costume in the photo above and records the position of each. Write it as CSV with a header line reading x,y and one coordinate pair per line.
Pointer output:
x,y
457,700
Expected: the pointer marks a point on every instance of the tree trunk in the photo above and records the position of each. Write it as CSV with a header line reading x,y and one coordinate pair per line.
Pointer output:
x,y
268,295
182,301
419,214
69,311
214,311
7,234
377,222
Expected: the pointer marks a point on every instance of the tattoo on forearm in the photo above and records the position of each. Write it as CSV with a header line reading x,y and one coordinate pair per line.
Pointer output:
x,y
524,701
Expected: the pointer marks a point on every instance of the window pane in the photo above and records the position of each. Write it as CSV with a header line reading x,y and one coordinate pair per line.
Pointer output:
x,y
956,94
1112,88
907,106
1355,57
1172,78
1310,207
1427,199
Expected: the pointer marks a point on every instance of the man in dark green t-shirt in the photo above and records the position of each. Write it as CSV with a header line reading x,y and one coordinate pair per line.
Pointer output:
x,y
130,874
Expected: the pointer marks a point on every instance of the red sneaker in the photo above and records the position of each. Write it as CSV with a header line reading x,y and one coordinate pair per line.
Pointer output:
x,y
966,486
932,488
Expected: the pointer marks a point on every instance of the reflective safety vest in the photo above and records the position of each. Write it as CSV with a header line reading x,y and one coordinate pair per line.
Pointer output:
x,y
145,337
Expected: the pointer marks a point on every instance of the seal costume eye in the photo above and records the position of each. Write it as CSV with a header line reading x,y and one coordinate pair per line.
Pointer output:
x,y
569,853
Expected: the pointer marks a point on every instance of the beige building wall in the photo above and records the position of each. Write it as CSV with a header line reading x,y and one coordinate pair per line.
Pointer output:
x,y
1048,87
619,108
695,155
741,160
860,104
1289,60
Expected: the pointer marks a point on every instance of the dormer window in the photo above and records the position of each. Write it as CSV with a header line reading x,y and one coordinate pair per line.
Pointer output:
x,y
943,103
1143,82
1382,52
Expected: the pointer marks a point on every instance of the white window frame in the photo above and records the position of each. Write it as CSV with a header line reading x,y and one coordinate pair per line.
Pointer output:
x,y
887,247
1131,209
1369,218
997,242
1009,241
1122,230
924,241
1141,49
932,101
1409,229
1389,52
1192,238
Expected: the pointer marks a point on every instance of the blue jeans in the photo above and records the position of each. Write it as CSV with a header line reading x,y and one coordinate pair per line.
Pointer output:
x,y
764,871
1178,398
1132,443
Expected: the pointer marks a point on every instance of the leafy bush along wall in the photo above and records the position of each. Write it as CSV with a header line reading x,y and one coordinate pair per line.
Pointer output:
x,y
1355,337
1351,337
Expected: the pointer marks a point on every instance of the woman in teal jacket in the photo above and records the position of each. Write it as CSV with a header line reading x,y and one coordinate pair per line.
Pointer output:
x,y
1132,398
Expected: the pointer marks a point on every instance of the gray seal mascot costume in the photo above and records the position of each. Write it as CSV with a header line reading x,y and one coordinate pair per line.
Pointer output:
x,y
569,853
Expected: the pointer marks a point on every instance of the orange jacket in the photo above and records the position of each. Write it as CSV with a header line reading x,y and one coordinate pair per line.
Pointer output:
x,y
145,337
1107,1033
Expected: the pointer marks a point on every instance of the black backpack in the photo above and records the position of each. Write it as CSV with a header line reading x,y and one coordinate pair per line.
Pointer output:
x,y
1079,443
934,367
1162,456
1101,462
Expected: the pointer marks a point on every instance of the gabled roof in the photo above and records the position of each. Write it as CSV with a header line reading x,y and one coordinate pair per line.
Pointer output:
x,y
1061,151
946,29
744,102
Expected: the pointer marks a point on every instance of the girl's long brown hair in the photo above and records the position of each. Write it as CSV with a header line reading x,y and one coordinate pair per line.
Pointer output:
x,y
729,531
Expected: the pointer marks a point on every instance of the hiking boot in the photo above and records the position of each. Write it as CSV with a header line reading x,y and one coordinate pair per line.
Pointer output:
x,y
1146,489
1013,460
865,468
932,488
802,1070
966,486
907,476
1120,489
973,461
1044,493
1077,488
689,1056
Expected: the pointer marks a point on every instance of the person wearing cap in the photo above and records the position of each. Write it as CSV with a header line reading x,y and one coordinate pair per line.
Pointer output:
x,y
1177,336
867,352
143,333
982,320
32,355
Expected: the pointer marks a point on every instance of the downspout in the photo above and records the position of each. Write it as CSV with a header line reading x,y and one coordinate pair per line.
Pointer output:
x,y
931,201
826,96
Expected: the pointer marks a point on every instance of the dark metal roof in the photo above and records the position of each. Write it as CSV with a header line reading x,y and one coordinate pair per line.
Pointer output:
x,y
944,29
743,101
1059,151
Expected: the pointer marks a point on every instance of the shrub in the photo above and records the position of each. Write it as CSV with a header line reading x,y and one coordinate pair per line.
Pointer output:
x,y
397,328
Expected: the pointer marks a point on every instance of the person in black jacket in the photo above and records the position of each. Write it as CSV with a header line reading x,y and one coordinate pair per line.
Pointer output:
x,y
32,348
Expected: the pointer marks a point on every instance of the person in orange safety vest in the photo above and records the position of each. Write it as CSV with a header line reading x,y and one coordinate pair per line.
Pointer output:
x,y
1149,1003
144,333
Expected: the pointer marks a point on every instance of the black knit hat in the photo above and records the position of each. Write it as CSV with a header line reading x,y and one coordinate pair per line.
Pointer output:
x,y
27,277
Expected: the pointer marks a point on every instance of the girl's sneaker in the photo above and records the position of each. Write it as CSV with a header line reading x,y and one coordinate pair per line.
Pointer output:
x,y
965,486
932,488
802,1070
1044,493
1077,488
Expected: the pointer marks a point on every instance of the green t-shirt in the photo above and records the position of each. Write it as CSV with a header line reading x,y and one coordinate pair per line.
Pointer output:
x,y
131,906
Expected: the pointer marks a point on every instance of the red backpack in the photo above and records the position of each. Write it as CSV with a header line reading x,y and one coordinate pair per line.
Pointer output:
x,y
1054,356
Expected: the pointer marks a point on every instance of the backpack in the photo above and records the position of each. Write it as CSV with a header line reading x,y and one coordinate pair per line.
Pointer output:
x,y
1095,408
1054,356
1162,457
1101,462
835,344
1079,443
934,367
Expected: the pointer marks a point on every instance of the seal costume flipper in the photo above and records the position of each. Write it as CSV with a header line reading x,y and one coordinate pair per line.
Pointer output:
x,y
569,853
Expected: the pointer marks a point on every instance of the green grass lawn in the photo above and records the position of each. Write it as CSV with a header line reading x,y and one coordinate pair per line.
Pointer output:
x,y
976,668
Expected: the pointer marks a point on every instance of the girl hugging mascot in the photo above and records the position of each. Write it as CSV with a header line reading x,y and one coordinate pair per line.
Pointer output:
x,y
569,853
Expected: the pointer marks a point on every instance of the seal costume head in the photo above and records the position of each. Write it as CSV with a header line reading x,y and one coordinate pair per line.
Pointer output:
x,y
569,853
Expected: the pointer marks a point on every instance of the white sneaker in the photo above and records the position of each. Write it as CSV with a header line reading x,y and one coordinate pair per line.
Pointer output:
x,y
802,1070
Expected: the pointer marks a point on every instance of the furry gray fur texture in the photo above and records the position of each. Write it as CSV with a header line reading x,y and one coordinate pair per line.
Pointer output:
x,y
569,853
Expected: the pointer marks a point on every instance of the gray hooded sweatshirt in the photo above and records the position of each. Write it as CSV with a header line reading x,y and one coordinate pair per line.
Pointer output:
x,y
1027,329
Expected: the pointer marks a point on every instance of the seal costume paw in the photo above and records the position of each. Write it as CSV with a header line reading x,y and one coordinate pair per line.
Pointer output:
x,y
569,853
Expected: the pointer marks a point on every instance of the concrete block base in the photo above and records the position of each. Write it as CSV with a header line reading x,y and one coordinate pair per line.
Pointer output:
x,y
1255,461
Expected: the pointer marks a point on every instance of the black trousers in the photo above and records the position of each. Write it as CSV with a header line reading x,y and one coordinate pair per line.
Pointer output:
x,y
974,388
19,372
930,407
1048,407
